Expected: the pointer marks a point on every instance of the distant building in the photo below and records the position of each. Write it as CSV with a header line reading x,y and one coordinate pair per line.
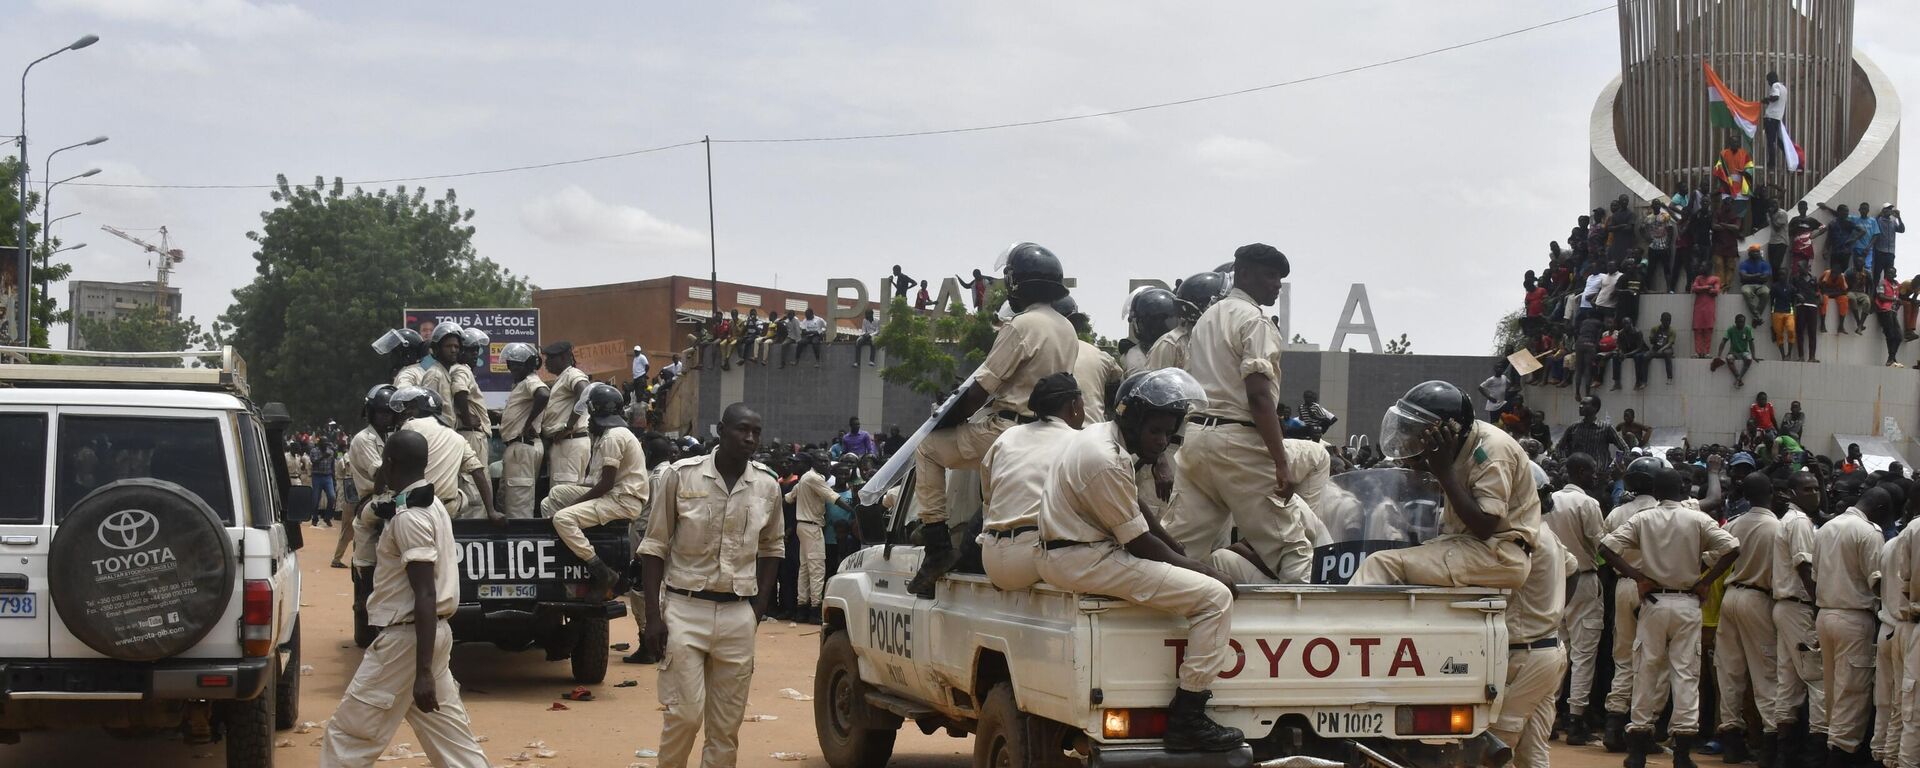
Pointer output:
x,y
100,300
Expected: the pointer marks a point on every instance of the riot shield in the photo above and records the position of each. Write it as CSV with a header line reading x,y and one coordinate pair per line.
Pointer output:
x,y
1372,510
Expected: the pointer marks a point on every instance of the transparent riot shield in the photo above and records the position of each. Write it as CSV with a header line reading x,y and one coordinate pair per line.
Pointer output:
x,y
1372,510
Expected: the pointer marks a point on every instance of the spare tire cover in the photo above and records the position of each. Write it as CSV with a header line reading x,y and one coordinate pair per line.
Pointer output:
x,y
142,569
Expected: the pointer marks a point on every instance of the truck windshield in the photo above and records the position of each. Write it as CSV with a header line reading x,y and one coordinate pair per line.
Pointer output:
x,y
96,450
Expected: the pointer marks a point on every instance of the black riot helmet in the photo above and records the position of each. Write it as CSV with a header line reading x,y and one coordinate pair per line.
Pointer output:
x,y
1403,429
375,405
1151,313
402,346
414,403
604,408
1200,291
474,344
1070,309
1640,475
1033,274
521,358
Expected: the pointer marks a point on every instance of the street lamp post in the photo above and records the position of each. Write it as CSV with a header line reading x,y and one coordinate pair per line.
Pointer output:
x,y
65,248
46,192
25,259
44,204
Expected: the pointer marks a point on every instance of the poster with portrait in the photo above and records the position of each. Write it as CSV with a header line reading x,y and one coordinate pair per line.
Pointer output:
x,y
503,326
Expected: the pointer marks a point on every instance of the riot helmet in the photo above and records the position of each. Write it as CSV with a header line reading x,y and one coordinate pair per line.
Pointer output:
x,y
1404,427
1033,274
402,346
1640,475
414,402
376,404
1165,389
522,358
1200,291
474,344
602,406
1153,312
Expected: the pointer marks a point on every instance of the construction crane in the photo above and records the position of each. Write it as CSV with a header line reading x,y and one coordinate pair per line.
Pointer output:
x,y
165,255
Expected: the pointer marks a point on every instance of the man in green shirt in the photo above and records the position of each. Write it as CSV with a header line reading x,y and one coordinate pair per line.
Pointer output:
x,y
1740,337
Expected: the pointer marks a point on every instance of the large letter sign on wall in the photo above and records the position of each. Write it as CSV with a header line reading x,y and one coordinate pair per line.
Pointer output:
x,y
836,313
1356,299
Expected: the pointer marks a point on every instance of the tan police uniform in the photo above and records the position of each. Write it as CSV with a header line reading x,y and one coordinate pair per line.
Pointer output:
x,y
568,462
1674,541
637,533
1909,616
1242,569
1090,514
1846,557
1500,476
1170,350
1223,475
1626,606
380,695
520,466
1799,673
1308,468
617,449
1134,360
1095,370
1576,521
449,458
1535,657
711,538
364,454
299,469
410,375
1890,655
1036,343
810,497
1745,642
465,381
1013,481
439,379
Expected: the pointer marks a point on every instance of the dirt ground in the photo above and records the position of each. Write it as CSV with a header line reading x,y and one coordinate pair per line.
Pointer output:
x,y
509,694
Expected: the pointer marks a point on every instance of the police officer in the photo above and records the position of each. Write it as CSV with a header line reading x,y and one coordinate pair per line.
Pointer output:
x,y
1890,648
1152,312
1013,481
449,458
1907,633
568,444
1036,342
446,350
1094,369
404,675
1492,502
619,491
1847,559
1798,674
1743,656
810,498
469,402
1193,297
520,466
1576,521
1673,540
1096,541
661,454
1232,467
714,540
1535,657
406,353
363,460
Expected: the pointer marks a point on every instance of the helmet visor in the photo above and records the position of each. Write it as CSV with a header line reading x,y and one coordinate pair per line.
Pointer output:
x,y
1169,388
1403,431
388,342
474,337
402,400
519,352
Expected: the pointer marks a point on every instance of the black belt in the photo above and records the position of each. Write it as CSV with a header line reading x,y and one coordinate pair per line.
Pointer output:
x,y
1761,590
711,597
581,433
1008,534
1016,418
1062,544
809,522
524,439
1800,600
1214,421
1545,642
1665,591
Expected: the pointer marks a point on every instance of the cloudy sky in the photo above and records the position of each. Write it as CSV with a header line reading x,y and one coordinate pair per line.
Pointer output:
x,y
1434,182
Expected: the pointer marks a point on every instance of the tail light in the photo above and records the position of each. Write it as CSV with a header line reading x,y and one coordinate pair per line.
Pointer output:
x,y
1134,723
256,618
1433,720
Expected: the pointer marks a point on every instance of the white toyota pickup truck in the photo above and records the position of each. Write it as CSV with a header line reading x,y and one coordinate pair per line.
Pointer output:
x,y
1326,674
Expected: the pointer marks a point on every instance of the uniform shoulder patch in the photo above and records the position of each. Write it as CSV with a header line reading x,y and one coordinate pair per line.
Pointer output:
x,y
1479,455
763,468
690,461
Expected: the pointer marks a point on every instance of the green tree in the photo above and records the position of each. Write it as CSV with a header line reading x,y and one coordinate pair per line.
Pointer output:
x,y
926,351
148,328
334,269
45,309
1399,346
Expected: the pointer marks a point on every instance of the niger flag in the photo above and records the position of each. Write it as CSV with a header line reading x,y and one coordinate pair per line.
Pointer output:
x,y
1727,110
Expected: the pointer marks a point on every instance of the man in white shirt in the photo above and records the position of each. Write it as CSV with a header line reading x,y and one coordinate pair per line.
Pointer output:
x,y
1776,110
1576,520
1013,480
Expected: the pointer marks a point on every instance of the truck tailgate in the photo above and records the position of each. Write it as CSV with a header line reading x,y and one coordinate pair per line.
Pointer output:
x,y
525,560
1308,649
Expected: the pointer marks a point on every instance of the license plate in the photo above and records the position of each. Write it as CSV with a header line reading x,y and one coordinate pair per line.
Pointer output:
x,y
509,591
18,606
1346,722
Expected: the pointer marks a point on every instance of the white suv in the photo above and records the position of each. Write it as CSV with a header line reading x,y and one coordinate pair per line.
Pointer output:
x,y
147,582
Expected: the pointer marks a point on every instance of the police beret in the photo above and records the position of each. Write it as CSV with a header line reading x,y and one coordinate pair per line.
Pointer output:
x,y
1261,253
558,348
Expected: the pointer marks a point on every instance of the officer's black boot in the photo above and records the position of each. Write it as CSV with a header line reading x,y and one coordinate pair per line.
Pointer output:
x,y
1614,738
1639,743
1813,751
1734,743
1768,756
938,558
1838,758
1683,750
1579,732
1190,730
604,579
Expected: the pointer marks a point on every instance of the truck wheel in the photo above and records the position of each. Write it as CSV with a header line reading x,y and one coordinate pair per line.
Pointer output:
x,y
841,714
249,728
1001,739
590,651
286,705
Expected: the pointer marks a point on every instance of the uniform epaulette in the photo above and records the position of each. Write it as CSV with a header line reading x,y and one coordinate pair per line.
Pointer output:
x,y
690,461
763,468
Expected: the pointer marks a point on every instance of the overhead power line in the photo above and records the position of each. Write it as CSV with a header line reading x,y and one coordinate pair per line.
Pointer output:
x,y
920,133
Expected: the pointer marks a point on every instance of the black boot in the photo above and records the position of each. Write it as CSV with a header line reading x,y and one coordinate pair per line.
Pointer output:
x,y
1614,738
1733,742
1190,730
1838,758
1683,750
938,558
1813,751
1579,732
1768,756
1639,744
604,579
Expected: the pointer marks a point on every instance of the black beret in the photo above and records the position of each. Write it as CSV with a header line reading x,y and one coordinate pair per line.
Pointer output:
x,y
1261,253
558,348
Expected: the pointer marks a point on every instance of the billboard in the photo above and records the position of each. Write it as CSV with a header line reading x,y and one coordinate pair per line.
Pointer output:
x,y
503,327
